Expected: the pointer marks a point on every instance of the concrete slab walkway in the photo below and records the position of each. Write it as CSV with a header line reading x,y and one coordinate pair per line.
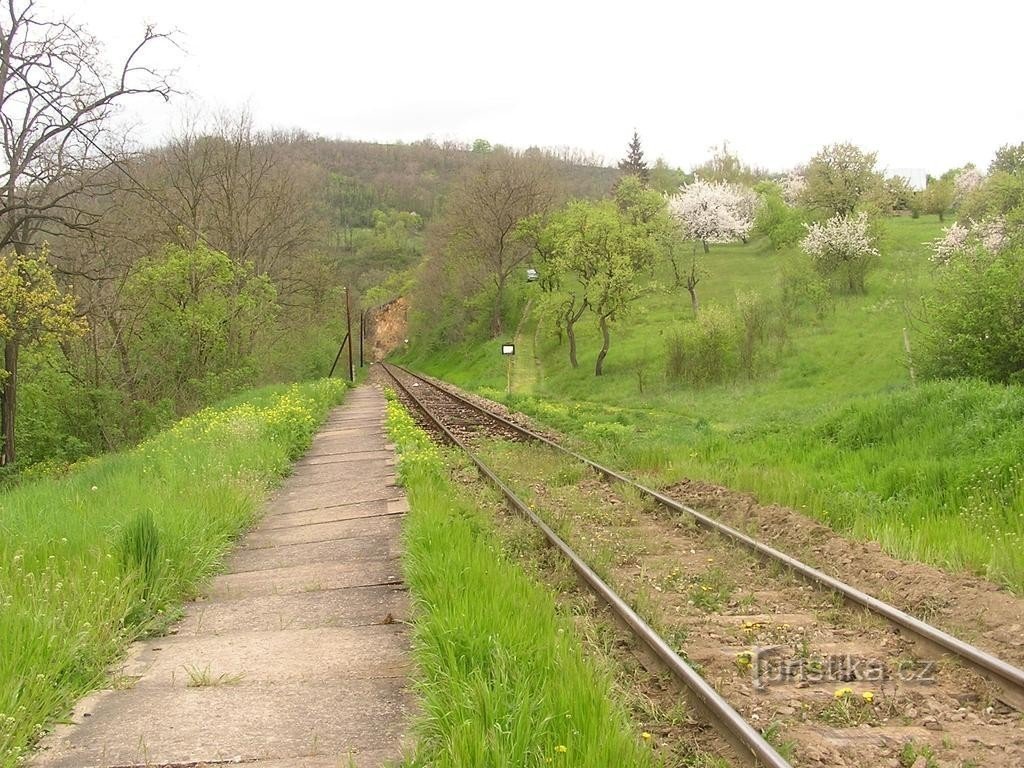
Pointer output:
x,y
297,655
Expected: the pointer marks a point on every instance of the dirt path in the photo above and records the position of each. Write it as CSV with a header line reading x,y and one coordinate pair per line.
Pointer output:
x,y
298,654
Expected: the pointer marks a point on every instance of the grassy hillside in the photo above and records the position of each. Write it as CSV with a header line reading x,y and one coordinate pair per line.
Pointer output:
x,y
832,424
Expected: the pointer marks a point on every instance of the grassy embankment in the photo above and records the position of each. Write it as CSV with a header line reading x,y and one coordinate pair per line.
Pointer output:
x,y
91,560
834,426
503,678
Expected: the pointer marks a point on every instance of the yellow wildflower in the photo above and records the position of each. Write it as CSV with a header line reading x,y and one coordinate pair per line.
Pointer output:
x,y
561,748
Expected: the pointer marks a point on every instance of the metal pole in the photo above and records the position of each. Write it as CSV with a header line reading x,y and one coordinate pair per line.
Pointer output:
x,y
348,325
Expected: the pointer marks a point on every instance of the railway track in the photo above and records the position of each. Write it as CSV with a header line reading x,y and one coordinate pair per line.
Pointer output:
x,y
470,426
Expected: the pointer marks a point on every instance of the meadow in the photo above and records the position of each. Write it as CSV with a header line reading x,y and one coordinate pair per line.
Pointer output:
x,y
94,558
832,423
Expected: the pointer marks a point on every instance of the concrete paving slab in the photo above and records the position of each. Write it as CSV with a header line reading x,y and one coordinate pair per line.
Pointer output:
x,y
305,577
388,457
271,656
161,725
333,512
285,506
354,549
298,656
312,474
300,534
356,606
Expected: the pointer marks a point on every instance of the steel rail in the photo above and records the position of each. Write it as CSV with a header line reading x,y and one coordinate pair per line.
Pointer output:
x,y
1008,677
732,725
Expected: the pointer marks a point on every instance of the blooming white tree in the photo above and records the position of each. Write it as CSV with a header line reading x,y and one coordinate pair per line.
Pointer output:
x,y
714,212
958,239
842,248
953,241
965,182
793,186
991,233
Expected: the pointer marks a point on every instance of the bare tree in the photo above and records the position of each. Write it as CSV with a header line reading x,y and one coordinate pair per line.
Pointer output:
x,y
481,217
238,190
59,145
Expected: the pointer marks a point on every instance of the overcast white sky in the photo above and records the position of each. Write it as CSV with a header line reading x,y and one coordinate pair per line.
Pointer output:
x,y
926,84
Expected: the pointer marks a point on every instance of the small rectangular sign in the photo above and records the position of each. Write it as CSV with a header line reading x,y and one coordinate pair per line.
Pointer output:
x,y
508,349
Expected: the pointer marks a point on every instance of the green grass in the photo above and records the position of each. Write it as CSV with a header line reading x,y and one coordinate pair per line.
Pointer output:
x,y
833,425
504,682
92,559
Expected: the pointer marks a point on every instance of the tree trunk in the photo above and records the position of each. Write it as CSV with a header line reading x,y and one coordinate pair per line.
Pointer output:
x,y
705,244
693,298
496,325
570,333
8,402
599,368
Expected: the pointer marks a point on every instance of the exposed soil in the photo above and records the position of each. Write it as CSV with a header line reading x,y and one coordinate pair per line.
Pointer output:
x,y
387,327
971,608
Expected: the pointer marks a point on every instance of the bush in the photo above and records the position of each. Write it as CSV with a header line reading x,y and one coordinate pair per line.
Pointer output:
x,y
802,287
973,321
782,224
707,351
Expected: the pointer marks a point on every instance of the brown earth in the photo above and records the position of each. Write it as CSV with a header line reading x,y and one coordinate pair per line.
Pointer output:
x,y
973,609
387,328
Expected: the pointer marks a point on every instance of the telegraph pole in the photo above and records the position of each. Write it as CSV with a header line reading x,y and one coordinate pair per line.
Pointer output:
x,y
348,324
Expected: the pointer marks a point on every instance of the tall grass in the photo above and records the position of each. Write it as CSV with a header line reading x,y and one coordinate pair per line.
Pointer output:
x,y
91,560
504,682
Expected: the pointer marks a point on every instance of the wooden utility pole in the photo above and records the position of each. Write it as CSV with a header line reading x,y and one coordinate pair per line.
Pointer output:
x,y
362,333
348,325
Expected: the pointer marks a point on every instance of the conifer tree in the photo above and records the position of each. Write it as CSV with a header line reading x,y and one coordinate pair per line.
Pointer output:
x,y
633,163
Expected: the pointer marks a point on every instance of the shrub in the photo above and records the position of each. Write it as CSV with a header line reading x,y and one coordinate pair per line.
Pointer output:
x,y
782,224
973,321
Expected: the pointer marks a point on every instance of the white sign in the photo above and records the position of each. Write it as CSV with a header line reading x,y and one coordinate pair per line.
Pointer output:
x,y
508,349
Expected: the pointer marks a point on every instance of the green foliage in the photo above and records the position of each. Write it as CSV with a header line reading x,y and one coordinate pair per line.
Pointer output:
x,y
937,197
596,255
139,547
201,314
973,323
394,243
1009,159
666,179
726,166
782,224
33,309
95,557
504,681
839,177
706,350
1001,194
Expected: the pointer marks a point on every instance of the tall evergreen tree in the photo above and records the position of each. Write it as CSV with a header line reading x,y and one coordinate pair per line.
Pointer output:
x,y
633,163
